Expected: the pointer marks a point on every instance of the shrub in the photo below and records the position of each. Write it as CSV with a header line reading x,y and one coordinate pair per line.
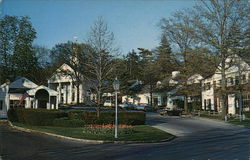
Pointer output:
x,y
39,117
12,116
174,113
42,117
66,122
88,117
132,117
247,114
108,117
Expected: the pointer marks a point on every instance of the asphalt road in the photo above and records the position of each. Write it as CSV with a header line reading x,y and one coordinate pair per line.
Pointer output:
x,y
196,140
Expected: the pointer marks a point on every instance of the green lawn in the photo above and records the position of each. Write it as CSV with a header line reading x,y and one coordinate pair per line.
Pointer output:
x,y
244,123
141,133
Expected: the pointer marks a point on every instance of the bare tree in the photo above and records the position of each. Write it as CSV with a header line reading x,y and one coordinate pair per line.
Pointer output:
x,y
75,56
100,62
215,23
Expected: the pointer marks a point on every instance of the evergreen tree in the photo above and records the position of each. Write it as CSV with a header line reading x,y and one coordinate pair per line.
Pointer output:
x,y
164,59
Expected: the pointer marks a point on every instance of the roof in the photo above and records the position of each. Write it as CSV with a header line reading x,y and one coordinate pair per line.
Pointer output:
x,y
22,83
51,92
58,75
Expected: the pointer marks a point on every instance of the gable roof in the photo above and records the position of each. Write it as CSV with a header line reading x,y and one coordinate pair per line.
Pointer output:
x,y
58,76
23,83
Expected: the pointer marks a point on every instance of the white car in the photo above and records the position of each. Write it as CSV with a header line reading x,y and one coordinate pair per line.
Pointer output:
x,y
108,103
139,107
125,105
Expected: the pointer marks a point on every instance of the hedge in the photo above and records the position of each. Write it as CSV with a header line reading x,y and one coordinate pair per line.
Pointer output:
x,y
66,122
44,117
108,117
38,117
247,114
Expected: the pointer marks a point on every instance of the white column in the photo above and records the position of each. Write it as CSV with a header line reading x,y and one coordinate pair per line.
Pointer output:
x,y
59,91
80,94
65,94
70,92
48,104
36,103
75,89
27,103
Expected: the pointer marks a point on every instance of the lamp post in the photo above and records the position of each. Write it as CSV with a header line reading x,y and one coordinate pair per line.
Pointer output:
x,y
116,85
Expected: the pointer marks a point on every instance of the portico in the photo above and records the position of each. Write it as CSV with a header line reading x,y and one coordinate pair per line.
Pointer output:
x,y
42,97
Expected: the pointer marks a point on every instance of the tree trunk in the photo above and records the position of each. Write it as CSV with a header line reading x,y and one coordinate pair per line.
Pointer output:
x,y
78,93
185,104
151,97
98,103
223,90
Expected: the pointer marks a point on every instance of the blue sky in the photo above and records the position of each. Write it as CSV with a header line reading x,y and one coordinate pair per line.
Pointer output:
x,y
133,22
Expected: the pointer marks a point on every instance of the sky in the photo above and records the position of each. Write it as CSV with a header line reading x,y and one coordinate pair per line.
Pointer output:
x,y
133,22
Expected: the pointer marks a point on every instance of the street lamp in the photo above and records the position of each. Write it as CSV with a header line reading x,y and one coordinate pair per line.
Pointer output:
x,y
116,85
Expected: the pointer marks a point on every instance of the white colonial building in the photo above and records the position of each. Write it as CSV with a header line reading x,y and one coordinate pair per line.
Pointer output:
x,y
164,96
237,74
24,93
64,84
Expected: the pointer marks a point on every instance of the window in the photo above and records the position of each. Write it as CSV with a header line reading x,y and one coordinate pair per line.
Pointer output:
x,y
205,104
209,104
244,78
208,86
246,100
231,81
236,80
204,86
214,84
220,82
1,105
15,103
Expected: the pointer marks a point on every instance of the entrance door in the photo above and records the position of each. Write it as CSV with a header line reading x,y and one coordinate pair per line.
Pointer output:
x,y
42,104
42,97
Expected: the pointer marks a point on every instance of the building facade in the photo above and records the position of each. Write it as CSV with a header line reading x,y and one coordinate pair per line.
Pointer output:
x,y
65,85
24,93
237,81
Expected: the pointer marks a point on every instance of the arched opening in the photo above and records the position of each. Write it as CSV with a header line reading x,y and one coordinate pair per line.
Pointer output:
x,y
42,97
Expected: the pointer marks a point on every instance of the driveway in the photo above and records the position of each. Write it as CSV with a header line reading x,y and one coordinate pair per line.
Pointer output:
x,y
180,126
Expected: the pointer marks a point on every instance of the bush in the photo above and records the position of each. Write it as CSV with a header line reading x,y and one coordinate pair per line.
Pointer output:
x,y
12,116
38,117
247,114
174,113
66,122
132,117
44,117
108,117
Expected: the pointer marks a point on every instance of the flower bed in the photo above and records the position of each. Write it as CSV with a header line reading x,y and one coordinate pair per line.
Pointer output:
x,y
108,129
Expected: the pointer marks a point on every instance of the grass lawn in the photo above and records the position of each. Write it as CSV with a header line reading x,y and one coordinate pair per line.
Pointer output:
x,y
141,133
244,123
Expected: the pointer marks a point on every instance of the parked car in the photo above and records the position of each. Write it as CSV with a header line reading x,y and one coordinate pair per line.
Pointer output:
x,y
108,103
126,105
140,107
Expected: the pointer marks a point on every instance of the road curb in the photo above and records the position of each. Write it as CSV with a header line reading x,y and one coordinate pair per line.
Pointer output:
x,y
221,121
84,140
56,135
